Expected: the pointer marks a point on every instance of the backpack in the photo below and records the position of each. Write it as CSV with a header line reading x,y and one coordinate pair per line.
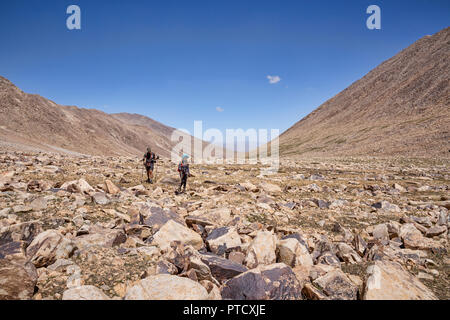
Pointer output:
x,y
183,169
149,158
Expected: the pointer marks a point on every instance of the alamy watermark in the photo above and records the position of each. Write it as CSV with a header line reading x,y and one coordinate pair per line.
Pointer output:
x,y
239,147
372,22
74,20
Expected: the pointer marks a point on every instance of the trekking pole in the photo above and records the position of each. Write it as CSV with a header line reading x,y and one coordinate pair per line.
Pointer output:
x,y
142,175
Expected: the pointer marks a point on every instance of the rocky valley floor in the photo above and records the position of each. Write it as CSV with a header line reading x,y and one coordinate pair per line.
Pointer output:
x,y
79,227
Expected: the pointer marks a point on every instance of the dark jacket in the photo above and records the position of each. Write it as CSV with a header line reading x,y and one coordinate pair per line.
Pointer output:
x,y
150,159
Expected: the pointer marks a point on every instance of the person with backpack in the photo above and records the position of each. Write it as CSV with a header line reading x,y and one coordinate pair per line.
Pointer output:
x,y
149,163
183,170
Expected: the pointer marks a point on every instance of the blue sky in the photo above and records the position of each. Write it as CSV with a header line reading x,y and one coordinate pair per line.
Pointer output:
x,y
178,61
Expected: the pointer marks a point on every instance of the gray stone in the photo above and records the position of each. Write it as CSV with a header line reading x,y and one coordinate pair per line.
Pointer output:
x,y
222,269
100,198
386,206
271,282
156,217
337,286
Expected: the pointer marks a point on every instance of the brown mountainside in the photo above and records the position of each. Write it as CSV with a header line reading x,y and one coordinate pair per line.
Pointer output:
x,y
29,121
402,107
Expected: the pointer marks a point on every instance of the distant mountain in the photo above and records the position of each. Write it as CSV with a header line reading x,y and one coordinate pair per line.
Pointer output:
x,y
31,122
140,120
402,107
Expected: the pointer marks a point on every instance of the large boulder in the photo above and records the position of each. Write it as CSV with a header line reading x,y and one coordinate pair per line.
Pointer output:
x,y
155,217
173,231
221,216
261,250
346,253
413,239
49,246
272,282
337,286
217,216
14,250
222,269
166,287
388,280
78,186
101,237
293,253
25,231
223,238
111,188
87,292
17,281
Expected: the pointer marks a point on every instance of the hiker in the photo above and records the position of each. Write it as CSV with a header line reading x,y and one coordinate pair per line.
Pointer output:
x,y
149,163
183,170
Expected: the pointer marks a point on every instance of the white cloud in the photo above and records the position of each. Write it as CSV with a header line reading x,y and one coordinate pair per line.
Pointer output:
x,y
273,79
219,109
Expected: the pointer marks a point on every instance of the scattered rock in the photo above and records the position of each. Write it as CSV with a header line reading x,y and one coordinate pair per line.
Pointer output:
x,y
100,198
49,246
78,186
261,250
101,237
173,231
87,292
435,231
388,280
293,253
166,287
386,206
220,239
222,269
111,188
16,282
337,286
271,282
270,188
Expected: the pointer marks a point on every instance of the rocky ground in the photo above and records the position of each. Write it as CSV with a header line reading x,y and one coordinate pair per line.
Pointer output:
x,y
78,227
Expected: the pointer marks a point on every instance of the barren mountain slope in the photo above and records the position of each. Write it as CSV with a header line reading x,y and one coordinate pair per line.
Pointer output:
x,y
402,107
140,120
30,121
